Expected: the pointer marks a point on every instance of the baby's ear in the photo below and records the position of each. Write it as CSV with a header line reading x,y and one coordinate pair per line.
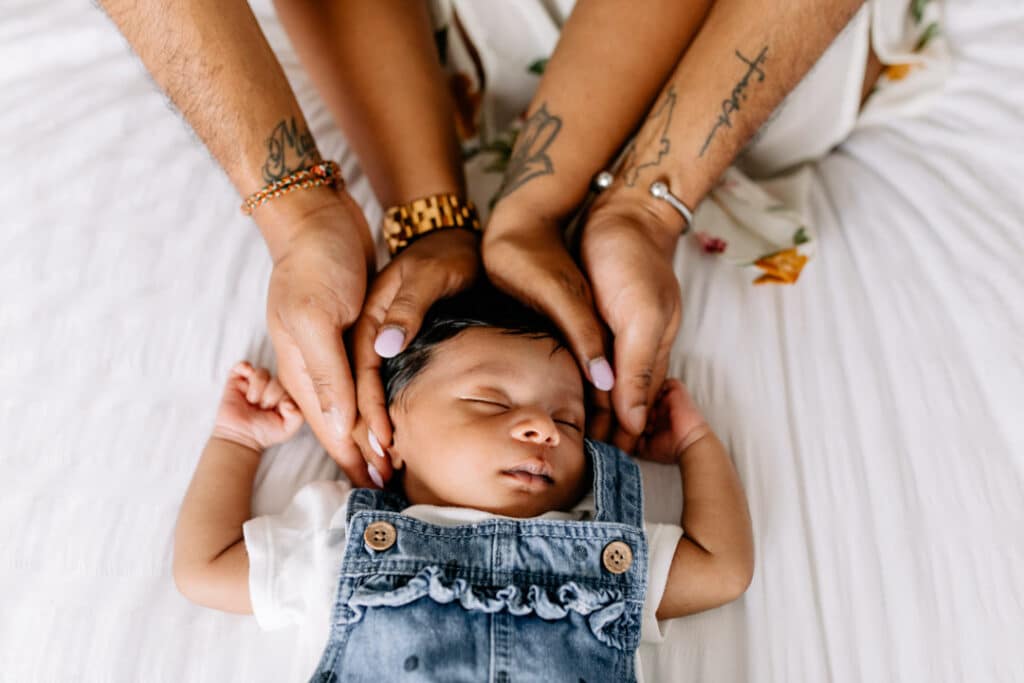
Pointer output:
x,y
395,452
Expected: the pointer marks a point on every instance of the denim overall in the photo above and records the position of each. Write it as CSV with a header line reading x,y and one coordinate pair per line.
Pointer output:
x,y
503,600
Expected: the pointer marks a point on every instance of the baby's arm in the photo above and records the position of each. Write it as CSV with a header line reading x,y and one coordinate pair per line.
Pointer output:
x,y
211,567
714,561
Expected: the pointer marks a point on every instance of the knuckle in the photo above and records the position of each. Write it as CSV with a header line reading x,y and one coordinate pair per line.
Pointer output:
x,y
642,378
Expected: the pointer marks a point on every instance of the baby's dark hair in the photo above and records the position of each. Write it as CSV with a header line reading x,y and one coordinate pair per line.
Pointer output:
x,y
480,306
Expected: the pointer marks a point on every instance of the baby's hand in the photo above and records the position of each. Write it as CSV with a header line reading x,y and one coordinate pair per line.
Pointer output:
x,y
255,411
674,424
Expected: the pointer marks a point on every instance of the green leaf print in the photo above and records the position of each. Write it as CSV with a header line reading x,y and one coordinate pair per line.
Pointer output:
x,y
800,237
917,10
926,37
538,66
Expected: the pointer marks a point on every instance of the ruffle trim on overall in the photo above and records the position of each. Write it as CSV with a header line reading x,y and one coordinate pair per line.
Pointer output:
x,y
605,609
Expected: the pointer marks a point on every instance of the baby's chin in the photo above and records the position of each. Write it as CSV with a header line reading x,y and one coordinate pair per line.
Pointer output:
x,y
524,509
519,505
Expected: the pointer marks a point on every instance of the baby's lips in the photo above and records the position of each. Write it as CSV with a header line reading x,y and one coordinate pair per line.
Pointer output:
x,y
537,467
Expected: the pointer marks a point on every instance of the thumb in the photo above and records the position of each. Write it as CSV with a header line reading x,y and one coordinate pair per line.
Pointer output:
x,y
320,344
404,315
641,357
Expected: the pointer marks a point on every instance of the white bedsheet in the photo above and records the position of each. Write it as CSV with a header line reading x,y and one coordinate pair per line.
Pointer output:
x,y
875,410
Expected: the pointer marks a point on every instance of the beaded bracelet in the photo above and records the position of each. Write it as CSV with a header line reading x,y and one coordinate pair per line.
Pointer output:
x,y
324,173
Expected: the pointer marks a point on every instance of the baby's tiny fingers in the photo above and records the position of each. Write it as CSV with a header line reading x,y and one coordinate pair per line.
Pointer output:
x,y
257,383
242,369
291,415
273,394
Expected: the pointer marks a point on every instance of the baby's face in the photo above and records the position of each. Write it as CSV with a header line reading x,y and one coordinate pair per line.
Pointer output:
x,y
493,422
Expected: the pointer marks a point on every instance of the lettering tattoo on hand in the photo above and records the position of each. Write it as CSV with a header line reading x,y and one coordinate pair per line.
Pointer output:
x,y
652,140
738,95
289,149
530,159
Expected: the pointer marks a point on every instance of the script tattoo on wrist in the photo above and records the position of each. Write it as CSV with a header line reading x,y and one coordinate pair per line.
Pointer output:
x,y
652,141
289,149
530,159
738,95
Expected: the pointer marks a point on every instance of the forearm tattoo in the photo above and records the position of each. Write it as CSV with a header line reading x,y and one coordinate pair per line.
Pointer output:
x,y
529,158
651,143
738,95
289,149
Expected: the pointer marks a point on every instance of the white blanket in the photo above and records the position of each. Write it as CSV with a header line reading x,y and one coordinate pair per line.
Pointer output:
x,y
874,410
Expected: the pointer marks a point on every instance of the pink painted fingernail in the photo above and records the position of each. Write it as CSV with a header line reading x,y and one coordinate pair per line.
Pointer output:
x,y
389,342
601,374
374,443
375,476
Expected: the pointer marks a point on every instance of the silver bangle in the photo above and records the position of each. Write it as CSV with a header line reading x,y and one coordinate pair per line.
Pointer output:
x,y
660,190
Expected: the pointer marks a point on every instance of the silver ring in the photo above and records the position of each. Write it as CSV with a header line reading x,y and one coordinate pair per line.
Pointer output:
x,y
659,190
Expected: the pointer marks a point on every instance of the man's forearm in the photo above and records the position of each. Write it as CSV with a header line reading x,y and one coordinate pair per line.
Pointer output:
x,y
214,63
746,58
610,62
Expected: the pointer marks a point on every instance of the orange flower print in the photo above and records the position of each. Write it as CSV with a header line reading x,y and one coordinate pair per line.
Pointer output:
x,y
780,268
897,72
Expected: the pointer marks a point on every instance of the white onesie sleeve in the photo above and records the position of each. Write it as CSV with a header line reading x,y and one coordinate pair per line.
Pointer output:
x,y
661,548
294,555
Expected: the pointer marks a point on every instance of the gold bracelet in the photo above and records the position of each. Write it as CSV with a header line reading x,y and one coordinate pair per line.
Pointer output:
x,y
408,222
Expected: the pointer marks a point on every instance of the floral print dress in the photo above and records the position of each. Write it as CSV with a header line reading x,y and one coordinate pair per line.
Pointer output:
x,y
755,217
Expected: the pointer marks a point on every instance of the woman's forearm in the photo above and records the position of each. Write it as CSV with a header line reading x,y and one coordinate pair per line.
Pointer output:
x,y
376,65
216,505
610,62
746,58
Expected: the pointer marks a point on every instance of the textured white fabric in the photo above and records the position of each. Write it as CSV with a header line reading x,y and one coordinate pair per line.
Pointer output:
x,y
294,558
874,410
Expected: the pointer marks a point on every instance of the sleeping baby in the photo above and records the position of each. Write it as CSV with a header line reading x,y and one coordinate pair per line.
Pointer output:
x,y
507,547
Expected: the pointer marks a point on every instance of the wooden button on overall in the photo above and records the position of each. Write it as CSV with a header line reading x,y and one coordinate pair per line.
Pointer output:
x,y
379,535
617,557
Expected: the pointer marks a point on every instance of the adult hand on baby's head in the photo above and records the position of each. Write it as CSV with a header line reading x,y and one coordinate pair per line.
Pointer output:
x,y
527,258
316,292
255,410
433,267
628,266
628,260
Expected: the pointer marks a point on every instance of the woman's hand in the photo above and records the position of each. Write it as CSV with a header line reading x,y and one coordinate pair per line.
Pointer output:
x,y
433,267
317,286
626,252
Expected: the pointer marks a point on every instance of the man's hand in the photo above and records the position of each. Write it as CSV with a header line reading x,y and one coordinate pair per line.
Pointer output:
x,y
431,268
316,292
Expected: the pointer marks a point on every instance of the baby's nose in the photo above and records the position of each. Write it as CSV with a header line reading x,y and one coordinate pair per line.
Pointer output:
x,y
537,428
